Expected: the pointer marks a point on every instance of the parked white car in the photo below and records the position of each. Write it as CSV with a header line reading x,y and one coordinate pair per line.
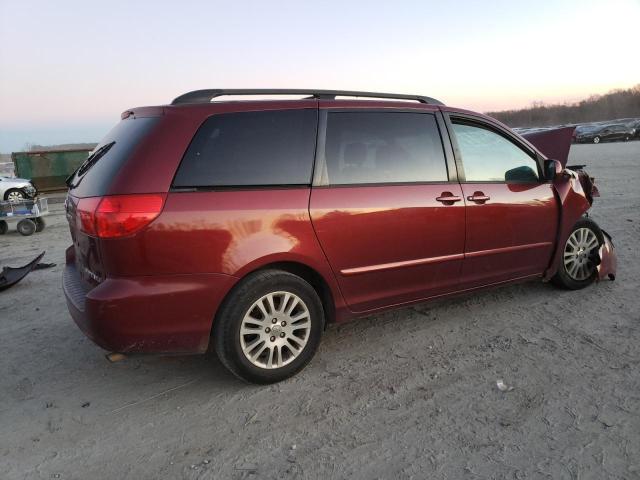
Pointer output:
x,y
16,189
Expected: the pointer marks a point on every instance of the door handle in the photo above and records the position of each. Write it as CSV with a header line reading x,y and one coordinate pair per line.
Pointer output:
x,y
478,197
448,198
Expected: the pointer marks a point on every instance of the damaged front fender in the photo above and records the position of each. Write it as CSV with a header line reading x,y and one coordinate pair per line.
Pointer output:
x,y
573,203
575,190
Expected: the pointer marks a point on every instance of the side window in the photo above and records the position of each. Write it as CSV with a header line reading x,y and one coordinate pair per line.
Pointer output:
x,y
251,148
490,157
383,147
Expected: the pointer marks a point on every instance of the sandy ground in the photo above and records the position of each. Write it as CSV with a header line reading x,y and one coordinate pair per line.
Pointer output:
x,y
407,394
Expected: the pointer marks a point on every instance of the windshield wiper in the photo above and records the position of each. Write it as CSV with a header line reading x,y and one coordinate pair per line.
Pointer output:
x,y
87,164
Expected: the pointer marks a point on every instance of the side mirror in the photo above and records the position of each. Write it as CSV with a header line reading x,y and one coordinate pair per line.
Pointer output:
x,y
552,169
524,174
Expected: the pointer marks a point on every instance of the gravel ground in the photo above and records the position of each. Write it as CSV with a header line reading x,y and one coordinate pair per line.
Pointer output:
x,y
407,394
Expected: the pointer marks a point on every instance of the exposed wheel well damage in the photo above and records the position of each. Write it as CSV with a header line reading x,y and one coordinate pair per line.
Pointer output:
x,y
575,191
573,205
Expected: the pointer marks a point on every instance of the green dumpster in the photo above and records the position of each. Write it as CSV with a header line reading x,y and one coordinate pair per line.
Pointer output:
x,y
48,169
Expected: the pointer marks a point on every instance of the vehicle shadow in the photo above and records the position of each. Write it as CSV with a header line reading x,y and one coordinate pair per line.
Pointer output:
x,y
143,381
453,311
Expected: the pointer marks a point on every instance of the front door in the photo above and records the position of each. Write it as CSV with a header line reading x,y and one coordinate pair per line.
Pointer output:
x,y
512,213
388,219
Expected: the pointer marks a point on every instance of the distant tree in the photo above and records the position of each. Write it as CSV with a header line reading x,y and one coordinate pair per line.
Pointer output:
x,y
616,104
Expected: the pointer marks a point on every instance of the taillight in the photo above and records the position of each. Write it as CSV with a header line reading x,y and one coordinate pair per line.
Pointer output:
x,y
118,215
85,214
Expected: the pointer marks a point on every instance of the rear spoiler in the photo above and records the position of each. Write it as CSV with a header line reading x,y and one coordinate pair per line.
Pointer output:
x,y
554,144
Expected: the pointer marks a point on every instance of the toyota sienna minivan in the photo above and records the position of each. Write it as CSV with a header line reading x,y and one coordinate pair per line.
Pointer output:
x,y
249,225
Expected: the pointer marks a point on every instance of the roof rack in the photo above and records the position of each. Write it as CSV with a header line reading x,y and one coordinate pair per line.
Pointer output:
x,y
205,96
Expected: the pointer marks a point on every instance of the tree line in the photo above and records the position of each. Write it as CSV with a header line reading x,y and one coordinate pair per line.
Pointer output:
x,y
613,105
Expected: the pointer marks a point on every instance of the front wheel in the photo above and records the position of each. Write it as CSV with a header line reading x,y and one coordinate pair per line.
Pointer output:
x,y
14,195
269,327
596,139
579,261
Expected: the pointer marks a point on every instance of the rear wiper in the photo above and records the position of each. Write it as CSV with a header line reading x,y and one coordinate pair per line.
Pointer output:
x,y
87,164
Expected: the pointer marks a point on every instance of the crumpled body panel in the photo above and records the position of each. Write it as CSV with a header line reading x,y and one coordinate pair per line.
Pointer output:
x,y
10,275
575,190
573,205
608,260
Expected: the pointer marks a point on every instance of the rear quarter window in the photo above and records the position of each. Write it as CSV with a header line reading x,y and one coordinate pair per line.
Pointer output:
x,y
251,149
94,180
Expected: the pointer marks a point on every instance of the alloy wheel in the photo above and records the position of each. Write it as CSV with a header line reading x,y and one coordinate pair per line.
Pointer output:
x,y
578,252
15,196
275,330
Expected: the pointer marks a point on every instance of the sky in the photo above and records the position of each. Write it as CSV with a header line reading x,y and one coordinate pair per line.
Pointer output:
x,y
69,68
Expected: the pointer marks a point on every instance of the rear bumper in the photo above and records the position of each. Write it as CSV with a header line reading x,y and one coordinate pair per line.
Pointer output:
x,y
151,314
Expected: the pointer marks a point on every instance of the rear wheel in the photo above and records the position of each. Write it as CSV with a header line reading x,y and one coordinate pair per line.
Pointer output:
x,y
269,327
596,139
579,260
26,227
3,227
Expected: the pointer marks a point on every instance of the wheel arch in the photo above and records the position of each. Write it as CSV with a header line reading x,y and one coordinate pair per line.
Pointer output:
x,y
314,278
308,273
14,189
573,205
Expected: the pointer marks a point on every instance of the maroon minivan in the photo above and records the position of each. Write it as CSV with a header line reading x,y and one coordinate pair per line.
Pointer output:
x,y
251,224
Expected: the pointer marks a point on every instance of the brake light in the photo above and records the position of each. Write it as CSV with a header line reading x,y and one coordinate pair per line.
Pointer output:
x,y
85,213
118,215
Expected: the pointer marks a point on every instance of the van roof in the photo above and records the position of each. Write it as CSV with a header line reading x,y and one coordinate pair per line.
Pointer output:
x,y
205,96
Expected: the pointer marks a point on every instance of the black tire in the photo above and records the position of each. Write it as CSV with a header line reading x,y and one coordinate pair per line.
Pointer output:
x,y
40,224
4,228
596,139
226,330
563,278
26,227
15,191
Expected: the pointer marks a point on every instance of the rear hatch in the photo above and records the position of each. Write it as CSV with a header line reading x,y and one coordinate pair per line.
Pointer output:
x,y
89,185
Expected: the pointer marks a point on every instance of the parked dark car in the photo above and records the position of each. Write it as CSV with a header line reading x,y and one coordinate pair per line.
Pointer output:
x,y
634,126
605,133
250,225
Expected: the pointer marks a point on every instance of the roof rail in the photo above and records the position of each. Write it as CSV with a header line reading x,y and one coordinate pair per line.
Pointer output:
x,y
205,96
